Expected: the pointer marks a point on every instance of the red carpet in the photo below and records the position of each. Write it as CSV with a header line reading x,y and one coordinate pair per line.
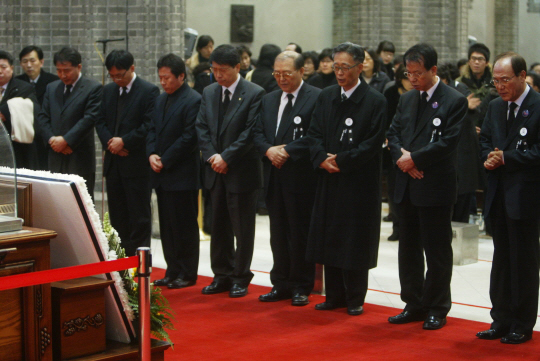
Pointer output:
x,y
216,327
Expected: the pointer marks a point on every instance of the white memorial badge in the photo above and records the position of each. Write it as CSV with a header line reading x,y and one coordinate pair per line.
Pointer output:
x,y
297,120
436,122
348,122
523,132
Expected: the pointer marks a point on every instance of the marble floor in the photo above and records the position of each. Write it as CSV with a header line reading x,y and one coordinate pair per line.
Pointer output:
x,y
470,283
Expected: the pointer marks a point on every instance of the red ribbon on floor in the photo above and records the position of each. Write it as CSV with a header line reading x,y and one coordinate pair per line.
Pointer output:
x,y
66,273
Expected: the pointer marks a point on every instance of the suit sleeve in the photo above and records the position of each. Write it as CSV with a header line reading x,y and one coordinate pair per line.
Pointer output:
x,y
101,124
86,123
203,130
244,141
44,116
315,136
436,151
135,138
486,145
395,140
259,139
187,142
371,145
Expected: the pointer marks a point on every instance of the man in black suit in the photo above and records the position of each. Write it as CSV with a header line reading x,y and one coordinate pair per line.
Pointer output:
x,y
10,88
31,58
70,107
232,170
346,137
423,142
171,147
510,148
122,127
289,178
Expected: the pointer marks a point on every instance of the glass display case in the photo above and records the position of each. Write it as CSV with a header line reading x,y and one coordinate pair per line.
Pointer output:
x,y
8,193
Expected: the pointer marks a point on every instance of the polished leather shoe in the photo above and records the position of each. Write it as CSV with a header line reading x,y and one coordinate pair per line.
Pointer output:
x,y
434,323
163,282
355,311
406,317
180,283
387,218
238,291
491,334
516,338
274,296
299,299
215,287
327,306
393,237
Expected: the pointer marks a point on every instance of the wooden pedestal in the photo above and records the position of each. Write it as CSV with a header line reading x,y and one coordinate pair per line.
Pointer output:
x,y
78,308
25,313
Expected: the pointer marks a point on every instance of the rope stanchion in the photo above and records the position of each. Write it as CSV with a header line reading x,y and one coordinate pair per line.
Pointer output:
x,y
66,273
144,271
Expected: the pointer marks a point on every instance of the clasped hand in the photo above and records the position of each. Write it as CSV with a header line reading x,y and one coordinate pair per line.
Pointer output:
x,y
277,155
116,146
218,164
59,145
406,164
330,164
494,159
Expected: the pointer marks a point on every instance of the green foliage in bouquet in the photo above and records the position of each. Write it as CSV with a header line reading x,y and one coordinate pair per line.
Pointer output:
x,y
161,314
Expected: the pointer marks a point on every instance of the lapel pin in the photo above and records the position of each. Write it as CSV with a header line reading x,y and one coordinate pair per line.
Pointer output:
x,y
523,131
348,122
239,99
436,122
435,105
525,114
297,120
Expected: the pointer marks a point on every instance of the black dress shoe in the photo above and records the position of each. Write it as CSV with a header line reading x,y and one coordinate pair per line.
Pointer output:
x,y
355,311
393,237
491,334
180,283
299,299
215,287
163,282
387,218
327,306
516,338
406,317
434,323
238,291
274,296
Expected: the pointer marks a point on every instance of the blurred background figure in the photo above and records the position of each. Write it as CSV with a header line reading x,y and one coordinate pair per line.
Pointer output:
x,y
311,64
372,74
245,60
262,75
294,47
325,71
533,79
385,53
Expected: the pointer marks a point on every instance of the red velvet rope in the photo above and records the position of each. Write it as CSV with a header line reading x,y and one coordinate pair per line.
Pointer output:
x,y
66,273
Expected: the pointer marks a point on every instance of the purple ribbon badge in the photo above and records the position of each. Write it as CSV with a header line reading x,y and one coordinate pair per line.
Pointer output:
x,y
435,105
525,113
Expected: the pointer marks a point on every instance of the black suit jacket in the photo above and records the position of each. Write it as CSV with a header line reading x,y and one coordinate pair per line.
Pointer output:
x,y
235,140
520,173
173,137
296,174
73,120
132,127
44,79
435,157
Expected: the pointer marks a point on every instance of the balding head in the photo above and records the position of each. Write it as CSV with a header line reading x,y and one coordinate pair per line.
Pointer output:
x,y
288,70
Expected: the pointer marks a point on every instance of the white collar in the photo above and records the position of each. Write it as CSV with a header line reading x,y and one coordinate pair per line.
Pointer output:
x,y
294,93
232,87
431,90
349,92
521,98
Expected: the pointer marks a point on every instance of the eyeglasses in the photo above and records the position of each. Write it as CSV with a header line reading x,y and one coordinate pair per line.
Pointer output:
x,y
344,69
285,74
479,59
214,69
116,77
503,81
413,75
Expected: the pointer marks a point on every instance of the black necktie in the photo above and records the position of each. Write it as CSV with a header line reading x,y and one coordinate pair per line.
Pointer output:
x,y
288,108
511,117
343,97
226,101
124,92
67,92
422,105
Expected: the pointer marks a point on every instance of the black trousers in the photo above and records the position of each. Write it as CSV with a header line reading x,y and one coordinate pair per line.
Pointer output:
x,y
514,272
290,216
179,232
346,286
429,230
129,209
462,208
233,215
